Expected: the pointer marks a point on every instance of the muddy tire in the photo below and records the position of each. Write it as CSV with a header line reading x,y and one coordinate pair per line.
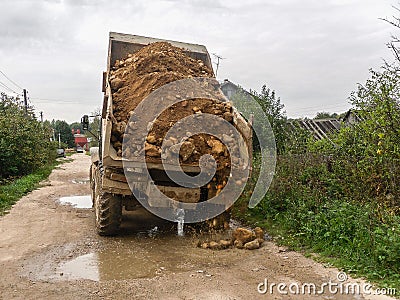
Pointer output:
x,y
108,209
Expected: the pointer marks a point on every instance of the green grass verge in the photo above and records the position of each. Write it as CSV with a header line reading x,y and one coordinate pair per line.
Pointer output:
x,y
11,192
343,237
359,238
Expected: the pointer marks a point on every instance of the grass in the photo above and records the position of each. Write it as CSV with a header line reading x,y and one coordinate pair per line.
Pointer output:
x,y
342,239
11,192
311,210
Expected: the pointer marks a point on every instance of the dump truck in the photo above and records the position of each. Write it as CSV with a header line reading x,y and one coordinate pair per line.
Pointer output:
x,y
111,192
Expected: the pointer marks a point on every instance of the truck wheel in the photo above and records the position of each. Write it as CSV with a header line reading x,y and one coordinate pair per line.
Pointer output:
x,y
108,208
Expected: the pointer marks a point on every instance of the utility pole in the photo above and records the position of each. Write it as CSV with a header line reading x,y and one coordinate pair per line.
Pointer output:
x,y
41,116
25,102
59,140
218,57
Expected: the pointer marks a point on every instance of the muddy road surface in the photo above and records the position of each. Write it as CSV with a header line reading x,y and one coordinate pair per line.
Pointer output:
x,y
49,250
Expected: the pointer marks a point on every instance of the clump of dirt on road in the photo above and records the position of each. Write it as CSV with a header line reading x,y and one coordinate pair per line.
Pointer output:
x,y
139,74
241,238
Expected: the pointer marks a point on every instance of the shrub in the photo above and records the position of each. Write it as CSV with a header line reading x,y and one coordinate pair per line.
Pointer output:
x,y
25,143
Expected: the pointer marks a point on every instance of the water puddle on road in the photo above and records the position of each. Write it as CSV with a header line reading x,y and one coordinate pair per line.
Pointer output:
x,y
81,181
134,258
77,201
146,247
82,267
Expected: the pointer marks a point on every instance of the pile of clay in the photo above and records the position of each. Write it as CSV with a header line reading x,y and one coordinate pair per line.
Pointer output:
x,y
242,238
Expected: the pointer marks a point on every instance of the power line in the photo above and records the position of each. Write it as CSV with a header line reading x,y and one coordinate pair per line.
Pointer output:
x,y
3,90
71,101
9,79
5,87
8,88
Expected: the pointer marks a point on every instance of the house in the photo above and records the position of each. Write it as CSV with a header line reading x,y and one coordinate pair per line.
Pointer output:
x,y
320,128
81,141
352,117
230,89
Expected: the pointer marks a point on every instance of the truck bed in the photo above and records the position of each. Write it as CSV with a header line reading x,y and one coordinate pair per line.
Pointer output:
x,y
120,45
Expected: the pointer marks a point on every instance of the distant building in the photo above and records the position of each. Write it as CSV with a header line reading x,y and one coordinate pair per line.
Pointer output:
x,y
320,129
230,89
352,117
81,141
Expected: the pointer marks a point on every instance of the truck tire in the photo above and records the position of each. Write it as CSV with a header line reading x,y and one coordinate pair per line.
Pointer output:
x,y
108,210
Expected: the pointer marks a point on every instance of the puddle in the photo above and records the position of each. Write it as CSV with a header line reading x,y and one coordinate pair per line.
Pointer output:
x,y
81,181
77,201
140,257
146,248
129,259
82,267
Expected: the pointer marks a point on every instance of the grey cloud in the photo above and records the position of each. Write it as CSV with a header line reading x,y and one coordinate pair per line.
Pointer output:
x,y
26,25
311,52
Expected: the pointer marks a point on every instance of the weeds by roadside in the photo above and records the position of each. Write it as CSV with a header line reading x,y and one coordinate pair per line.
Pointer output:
x,y
317,206
12,191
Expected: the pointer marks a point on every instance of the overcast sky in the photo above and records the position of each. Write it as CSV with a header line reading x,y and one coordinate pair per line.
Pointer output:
x,y
311,52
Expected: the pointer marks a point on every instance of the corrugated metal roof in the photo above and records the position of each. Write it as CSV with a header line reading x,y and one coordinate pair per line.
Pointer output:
x,y
319,128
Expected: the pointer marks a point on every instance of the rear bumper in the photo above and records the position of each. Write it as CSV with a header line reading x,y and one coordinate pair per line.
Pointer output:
x,y
116,183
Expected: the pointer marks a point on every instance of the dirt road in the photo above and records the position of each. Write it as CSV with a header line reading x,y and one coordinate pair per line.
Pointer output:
x,y
49,250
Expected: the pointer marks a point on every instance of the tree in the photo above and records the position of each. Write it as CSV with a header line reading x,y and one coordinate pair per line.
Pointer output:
x,y
24,142
62,128
326,115
378,104
75,126
274,109
395,42
262,104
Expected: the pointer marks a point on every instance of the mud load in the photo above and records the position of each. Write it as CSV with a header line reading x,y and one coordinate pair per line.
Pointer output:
x,y
140,69
135,77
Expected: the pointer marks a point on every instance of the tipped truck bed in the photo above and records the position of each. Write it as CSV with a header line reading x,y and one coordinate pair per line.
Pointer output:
x,y
120,45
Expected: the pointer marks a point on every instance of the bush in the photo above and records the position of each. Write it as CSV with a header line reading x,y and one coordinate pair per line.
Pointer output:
x,y
320,204
25,143
340,196
372,144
